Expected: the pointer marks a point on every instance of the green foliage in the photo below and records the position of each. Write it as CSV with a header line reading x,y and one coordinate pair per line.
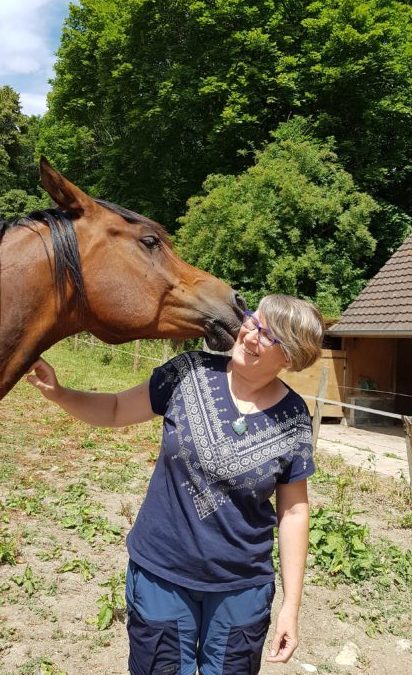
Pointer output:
x,y
338,546
52,554
8,548
18,171
293,223
80,565
72,148
41,665
29,503
16,202
113,602
76,512
27,581
168,92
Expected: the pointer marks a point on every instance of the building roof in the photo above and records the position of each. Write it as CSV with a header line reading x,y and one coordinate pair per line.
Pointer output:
x,y
384,307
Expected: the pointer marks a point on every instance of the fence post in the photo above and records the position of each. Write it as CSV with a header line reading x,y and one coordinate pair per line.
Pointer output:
x,y
136,356
407,425
166,351
317,414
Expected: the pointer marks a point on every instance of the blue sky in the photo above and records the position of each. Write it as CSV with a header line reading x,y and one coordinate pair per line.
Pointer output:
x,y
29,36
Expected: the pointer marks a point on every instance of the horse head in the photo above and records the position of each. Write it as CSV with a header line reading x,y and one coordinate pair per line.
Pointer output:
x,y
91,265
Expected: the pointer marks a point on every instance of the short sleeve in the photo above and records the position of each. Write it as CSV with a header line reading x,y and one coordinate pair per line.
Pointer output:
x,y
162,384
301,463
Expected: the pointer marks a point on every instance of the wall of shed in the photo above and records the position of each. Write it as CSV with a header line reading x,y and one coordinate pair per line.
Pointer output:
x,y
371,364
371,359
307,381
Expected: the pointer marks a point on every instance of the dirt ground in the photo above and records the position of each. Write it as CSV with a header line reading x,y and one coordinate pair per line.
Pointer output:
x,y
53,630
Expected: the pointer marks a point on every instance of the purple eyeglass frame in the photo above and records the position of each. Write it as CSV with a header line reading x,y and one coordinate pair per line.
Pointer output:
x,y
248,314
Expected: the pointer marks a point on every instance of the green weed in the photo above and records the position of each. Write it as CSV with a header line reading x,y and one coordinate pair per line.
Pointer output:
x,y
27,581
78,513
52,554
39,666
112,604
81,565
8,548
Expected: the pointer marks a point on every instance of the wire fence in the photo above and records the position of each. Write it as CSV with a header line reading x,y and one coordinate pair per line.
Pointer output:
x,y
160,351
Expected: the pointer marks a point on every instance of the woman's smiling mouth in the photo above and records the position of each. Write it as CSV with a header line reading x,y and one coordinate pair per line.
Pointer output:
x,y
249,352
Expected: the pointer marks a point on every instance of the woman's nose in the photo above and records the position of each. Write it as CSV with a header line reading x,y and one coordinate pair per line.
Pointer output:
x,y
252,336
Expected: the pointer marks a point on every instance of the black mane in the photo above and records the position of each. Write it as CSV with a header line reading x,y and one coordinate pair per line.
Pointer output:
x,y
67,265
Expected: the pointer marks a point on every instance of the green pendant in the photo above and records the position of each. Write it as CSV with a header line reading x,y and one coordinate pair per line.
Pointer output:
x,y
239,426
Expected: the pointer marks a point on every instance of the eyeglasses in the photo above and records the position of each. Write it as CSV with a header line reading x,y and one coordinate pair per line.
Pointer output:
x,y
265,337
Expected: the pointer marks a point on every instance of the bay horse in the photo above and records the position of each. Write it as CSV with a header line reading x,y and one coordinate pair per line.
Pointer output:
x,y
89,265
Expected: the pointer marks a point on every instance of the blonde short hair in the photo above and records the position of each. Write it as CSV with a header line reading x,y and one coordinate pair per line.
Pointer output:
x,y
298,324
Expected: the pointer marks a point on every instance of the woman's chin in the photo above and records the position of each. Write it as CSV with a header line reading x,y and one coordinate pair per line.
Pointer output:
x,y
243,358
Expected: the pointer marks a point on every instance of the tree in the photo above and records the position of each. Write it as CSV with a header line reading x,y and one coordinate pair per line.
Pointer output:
x,y
174,90
293,223
19,189
16,203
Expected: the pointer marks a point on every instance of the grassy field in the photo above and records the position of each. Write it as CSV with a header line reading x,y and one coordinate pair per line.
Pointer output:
x,y
69,493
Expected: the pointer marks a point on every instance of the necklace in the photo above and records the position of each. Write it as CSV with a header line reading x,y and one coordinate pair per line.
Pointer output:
x,y
239,425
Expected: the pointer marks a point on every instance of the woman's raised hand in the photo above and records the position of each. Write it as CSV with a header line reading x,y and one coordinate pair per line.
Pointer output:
x,y
44,378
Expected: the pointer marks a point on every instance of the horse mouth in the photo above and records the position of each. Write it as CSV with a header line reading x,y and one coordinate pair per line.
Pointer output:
x,y
220,338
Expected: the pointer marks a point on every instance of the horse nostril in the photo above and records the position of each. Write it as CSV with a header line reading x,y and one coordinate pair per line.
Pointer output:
x,y
239,303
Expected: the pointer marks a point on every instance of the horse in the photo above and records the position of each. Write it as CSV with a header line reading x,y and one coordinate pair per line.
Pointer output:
x,y
90,265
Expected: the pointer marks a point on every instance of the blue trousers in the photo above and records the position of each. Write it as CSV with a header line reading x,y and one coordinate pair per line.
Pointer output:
x,y
178,631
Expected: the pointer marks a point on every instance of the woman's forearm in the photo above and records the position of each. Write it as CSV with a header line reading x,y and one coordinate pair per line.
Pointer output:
x,y
293,548
99,410
131,406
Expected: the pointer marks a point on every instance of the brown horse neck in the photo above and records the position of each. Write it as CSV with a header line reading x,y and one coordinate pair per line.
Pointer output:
x,y
22,342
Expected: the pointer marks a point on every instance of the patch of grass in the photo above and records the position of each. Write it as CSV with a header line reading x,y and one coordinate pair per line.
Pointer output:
x,y
77,513
8,548
28,503
390,492
8,468
80,565
405,520
117,477
41,665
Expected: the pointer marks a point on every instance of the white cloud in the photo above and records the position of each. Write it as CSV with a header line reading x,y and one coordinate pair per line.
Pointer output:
x,y
29,31
33,104
23,37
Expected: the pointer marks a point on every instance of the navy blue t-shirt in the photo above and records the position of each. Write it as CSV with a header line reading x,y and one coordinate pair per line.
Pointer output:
x,y
207,520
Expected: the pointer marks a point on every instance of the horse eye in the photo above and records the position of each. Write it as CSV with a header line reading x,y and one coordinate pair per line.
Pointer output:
x,y
150,241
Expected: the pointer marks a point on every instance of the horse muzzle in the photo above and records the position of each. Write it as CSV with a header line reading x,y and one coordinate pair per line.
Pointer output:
x,y
221,331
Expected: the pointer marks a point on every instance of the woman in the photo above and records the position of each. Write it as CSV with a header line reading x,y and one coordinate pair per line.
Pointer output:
x,y
200,581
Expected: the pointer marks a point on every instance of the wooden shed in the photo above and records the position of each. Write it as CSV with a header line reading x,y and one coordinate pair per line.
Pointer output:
x,y
306,383
376,334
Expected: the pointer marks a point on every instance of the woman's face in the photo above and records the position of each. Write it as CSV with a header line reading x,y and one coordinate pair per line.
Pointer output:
x,y
251,349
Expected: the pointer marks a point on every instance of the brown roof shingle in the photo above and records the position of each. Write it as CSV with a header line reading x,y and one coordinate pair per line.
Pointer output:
x,y
384,307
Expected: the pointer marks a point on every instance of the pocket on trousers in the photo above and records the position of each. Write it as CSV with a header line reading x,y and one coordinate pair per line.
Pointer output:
x,y
244,648
154,646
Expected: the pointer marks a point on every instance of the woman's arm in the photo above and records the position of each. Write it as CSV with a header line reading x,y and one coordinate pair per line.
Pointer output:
x,y
101,410
293,521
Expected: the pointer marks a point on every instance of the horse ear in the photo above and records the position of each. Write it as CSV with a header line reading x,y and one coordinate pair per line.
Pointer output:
x,y
66,195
